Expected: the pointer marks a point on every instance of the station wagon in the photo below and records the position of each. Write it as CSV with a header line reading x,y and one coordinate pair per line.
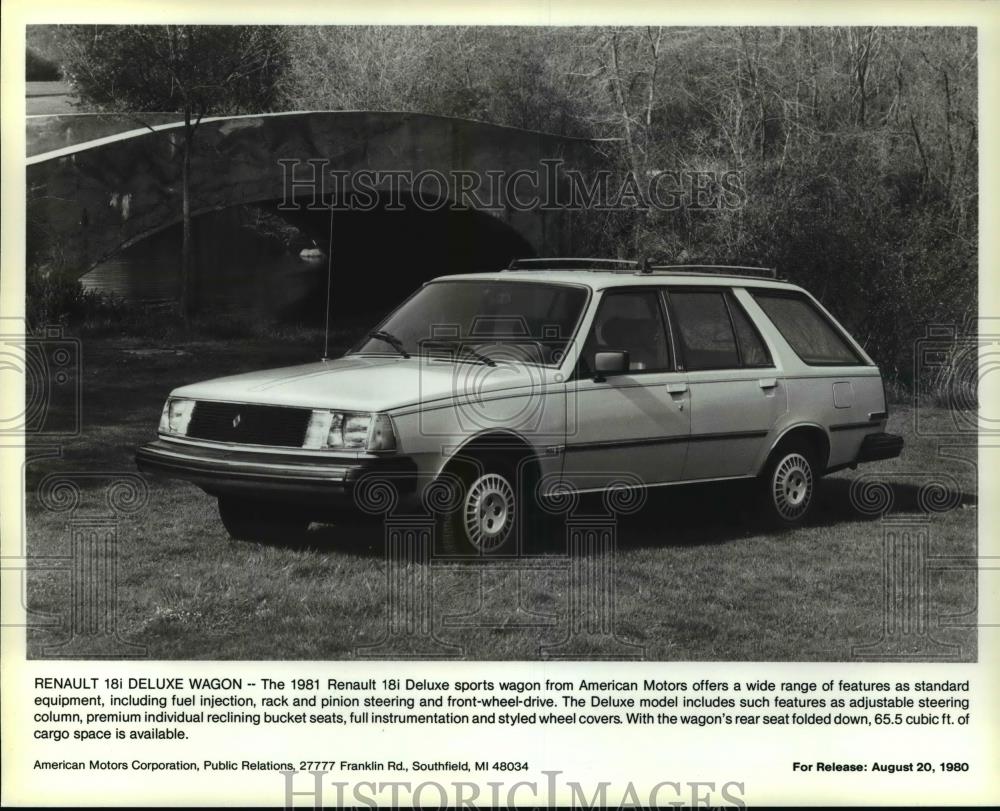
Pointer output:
x,y
517,387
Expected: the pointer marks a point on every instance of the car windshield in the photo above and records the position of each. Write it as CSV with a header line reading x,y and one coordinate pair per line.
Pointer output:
x,y
481,321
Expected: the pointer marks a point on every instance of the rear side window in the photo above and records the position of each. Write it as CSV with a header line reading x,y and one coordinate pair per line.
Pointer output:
x,y
808,331
704,329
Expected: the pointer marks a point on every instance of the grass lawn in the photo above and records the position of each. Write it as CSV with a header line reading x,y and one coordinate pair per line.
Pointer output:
x,y
695,577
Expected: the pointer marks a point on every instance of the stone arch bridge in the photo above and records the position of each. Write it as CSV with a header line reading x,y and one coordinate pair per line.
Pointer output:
x,y
89,201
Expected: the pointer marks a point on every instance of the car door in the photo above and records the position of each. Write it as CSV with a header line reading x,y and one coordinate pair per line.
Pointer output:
x,y
736,391
632,425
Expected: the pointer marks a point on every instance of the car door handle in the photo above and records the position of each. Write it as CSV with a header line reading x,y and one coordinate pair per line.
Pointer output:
x,y
677,388
767,382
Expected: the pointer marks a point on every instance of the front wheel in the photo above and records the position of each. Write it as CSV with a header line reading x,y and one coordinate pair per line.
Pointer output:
x,y
484,517
263,523
789,485
488,512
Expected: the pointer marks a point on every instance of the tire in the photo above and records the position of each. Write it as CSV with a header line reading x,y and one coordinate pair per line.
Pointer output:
x,y
789,483
486,519
261,523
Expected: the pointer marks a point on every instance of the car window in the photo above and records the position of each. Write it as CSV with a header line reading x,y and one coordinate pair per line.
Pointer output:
x,y
752,349
705,330
810,334
631,321
528,321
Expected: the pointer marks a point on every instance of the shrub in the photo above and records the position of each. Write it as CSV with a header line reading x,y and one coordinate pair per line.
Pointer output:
x,y
56,300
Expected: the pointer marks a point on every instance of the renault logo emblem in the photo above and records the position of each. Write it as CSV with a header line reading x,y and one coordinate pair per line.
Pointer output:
x,y
236,421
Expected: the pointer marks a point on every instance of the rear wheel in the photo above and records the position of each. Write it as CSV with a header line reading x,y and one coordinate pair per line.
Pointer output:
x,y
267,523
789,484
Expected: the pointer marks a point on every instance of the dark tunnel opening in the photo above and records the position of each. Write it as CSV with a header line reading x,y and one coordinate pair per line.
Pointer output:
x,y
273,262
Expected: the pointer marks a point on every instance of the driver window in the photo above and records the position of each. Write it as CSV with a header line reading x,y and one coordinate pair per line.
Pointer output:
x,y
629,320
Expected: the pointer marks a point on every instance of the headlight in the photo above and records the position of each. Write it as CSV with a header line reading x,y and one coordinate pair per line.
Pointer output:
x,y
342,430
176,416
352,433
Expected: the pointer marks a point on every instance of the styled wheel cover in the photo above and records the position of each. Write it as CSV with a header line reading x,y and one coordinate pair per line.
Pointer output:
x,y
792,486
488,512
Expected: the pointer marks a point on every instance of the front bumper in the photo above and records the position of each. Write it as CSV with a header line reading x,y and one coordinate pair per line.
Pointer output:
x,y
274,476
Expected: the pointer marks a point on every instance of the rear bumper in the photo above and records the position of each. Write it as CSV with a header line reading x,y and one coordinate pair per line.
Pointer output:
x,y
284,477
875,447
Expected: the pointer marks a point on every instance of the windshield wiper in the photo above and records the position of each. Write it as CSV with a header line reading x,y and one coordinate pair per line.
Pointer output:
x,y
389,338
477,355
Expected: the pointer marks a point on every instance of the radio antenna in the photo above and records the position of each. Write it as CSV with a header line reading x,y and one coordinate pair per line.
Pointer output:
x,y
329,286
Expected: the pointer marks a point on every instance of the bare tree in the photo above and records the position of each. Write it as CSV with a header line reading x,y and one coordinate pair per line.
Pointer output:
x,y
191,70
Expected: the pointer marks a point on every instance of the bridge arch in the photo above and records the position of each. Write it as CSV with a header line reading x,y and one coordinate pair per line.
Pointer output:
x,y
89,202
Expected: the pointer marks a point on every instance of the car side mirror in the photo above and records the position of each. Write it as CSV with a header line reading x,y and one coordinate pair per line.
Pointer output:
x,y
614,362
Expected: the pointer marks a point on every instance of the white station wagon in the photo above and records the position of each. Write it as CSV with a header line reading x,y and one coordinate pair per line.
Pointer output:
x,y
516,387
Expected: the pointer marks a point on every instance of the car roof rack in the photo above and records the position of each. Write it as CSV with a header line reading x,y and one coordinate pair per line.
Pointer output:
x,y
639,267
710,270
575,263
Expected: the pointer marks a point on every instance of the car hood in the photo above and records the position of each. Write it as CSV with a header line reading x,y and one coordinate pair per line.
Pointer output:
x,y
369,383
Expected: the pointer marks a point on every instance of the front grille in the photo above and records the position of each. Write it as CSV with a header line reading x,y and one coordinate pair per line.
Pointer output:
x,y
249,424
